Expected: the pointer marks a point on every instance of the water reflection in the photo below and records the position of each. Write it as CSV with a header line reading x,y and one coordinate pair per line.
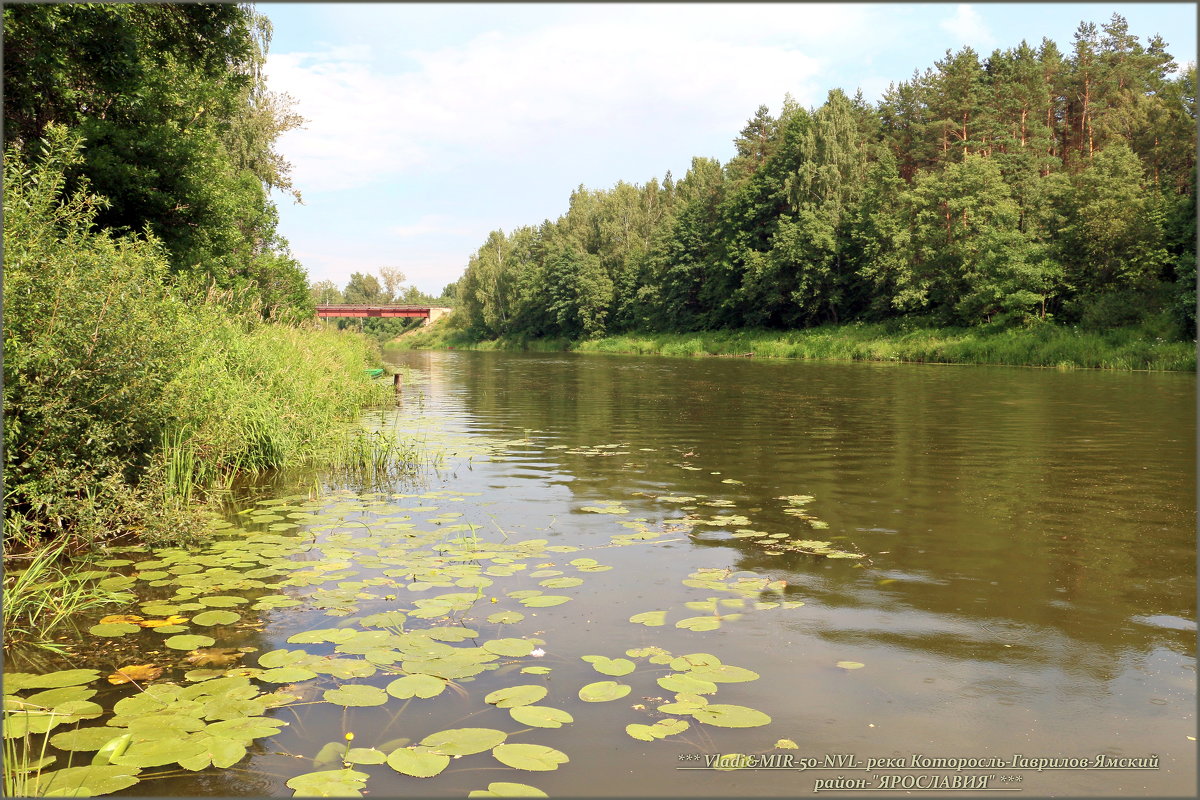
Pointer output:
x,y
1031,569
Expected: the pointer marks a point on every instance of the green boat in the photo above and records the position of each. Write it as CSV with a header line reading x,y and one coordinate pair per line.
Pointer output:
x,y
374,373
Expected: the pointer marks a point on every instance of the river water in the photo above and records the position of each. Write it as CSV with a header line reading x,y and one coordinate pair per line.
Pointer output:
x,y
916,563
1029,586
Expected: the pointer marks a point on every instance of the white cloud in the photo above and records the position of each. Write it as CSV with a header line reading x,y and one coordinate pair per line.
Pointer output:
x,y
617,77
969,28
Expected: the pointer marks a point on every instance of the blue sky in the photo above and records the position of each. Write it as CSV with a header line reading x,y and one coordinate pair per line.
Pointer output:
x,y
430,125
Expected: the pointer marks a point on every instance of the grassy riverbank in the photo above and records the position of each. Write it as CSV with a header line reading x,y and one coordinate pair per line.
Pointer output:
x,y
128,392
1142,347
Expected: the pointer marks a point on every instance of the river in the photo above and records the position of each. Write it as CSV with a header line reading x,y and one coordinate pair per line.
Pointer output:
x,y
913,562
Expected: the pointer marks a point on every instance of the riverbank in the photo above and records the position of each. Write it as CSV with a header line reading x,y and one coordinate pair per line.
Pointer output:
x,y
129,391
1142,347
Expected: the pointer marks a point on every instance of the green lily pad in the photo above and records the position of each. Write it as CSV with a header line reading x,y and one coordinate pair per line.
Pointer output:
x,y
321,635
515,696
216,618
544,601
189,642
686,684
507,789
222,601
850,664
536,670
786,744
52,698
464,741
286,675
724,673
364,755
610,666
561,583
87,781
730,716
540,716
699,623
357,695
86,739
245,728
603,691
417,763
424,686
509,647
215,752
157,753
650,618
506,617
535,757
113,629
329,783
16,681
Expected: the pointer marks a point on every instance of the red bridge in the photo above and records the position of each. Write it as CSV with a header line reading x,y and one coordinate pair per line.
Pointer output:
x,y
430,313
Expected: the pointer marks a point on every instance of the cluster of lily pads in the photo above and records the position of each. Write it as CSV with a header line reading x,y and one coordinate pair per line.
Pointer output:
x,y
409,589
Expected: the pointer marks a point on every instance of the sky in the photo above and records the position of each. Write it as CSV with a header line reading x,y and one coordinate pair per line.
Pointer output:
x,y
430,125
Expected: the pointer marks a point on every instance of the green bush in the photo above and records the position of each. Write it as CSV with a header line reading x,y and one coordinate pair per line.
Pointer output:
x,y
122,392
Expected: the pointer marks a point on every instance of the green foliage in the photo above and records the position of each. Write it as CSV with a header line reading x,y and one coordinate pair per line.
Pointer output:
x,y
1025,186
113,384
178,130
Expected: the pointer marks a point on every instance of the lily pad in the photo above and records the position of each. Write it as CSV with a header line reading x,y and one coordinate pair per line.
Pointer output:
x,y
216,618
603,691
540,716
507,789
15,682
505,618
509,647
464,741
544,601
650,618
189,642
687,684
535,757
610,666
356,694
424,686
113,629
329,783
87,781
87,739
730,716
699,623
286,675
515,696
851,664
417,763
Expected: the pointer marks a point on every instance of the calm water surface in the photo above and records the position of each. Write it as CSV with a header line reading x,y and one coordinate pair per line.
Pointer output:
x,y
1028,585
1030,581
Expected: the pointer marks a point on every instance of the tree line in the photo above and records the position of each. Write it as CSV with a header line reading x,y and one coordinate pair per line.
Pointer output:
x,y
1031,185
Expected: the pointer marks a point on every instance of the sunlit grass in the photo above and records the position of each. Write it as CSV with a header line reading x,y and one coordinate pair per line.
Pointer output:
x,y
1131,348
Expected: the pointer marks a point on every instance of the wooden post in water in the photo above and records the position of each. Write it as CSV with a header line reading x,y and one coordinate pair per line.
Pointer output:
x,y
396,382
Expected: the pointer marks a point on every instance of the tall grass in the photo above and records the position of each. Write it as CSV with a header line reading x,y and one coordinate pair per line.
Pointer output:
x,y
47,594
1140,347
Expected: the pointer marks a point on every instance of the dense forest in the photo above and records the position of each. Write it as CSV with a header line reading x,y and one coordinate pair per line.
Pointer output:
x,y
177,129
1029,186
